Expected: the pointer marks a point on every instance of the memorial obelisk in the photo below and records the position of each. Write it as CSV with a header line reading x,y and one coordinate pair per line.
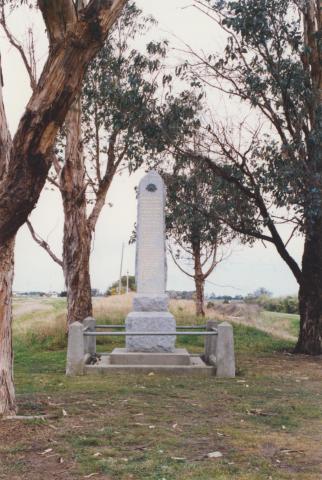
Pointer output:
x,y
150,305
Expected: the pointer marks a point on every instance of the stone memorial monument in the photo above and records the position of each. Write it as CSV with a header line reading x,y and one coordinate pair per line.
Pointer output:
x,y
150,315
150,305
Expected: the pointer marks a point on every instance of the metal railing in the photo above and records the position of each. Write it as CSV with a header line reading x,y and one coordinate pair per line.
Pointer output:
x,y
179,327
90,333
130,334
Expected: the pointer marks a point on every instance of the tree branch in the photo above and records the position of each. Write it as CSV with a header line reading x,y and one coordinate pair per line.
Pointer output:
x,y
214,263
53,182
178,265
259,202
14,42
43,244
5,137
60,17
105,183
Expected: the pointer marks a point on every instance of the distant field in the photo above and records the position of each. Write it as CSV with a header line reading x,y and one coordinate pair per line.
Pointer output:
x,y
30,312
44,319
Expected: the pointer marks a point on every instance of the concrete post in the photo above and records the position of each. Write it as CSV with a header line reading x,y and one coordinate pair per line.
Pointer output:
x,y
90,342
210,342
225,355
75,350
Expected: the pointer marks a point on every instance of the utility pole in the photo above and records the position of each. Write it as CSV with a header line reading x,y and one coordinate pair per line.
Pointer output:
x,y
121,267
127,282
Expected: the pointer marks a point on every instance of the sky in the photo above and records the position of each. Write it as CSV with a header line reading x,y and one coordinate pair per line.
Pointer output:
x,y
242,272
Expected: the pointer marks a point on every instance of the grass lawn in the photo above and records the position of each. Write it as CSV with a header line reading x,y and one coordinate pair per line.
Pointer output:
x,y
266,423
287,322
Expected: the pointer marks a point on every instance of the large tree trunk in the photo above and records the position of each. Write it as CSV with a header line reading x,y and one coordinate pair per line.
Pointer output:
x,y
199,281
7,392
76,242
24,167
77,238
310,294
76,254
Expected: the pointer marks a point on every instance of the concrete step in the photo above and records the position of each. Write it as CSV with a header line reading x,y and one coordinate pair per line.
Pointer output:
x,y
120,356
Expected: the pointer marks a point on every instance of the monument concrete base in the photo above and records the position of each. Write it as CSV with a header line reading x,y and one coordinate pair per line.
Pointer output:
x,y
145,302
120,356
150,322
195,366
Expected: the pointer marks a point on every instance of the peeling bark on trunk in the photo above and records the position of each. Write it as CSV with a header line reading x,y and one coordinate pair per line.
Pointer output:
x,y
76,254
57,88
200,297
77,238
5,138
7,392
199,282
24,165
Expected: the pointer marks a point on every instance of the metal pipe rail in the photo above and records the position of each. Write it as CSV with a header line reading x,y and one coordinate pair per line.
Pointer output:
x,y
179,327
131,334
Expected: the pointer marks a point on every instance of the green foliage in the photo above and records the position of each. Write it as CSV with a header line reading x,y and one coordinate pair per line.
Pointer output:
x,y
266,65
113,288
129,112
194,210
287,304
191,207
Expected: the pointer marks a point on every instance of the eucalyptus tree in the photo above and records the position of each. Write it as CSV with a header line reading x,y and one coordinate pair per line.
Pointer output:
x,y
273,63
74,39
196,230
121,108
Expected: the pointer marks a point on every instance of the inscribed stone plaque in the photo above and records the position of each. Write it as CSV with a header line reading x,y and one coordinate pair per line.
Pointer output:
x,y
151,260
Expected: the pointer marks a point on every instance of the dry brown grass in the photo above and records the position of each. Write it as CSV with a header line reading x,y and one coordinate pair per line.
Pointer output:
x,y
23,306
115,305
47,317
118,306
237,310
252,315
38,315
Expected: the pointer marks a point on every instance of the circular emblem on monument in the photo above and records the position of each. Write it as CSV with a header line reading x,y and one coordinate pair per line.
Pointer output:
x,y
151,187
